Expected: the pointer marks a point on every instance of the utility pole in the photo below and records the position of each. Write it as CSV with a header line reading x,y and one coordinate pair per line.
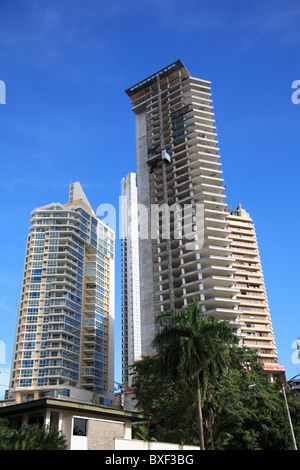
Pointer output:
x,y
288,411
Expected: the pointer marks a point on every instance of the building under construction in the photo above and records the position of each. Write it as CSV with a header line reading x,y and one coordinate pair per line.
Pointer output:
x,y
179,182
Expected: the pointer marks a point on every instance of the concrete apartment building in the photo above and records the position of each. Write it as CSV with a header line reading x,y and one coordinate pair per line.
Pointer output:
x,y
178,166
64,343
130,277
256,324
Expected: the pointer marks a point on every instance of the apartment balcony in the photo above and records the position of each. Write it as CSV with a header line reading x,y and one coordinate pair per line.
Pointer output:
x,y
259,343
219,302
257,327
240,231
87,371
266,356
163,300
208,183
216,230
196,160
205,139
160,279
253,302
222,281
90,348
237,239
223,313
89,301
206,261
195,163
244,269
69,274
215,250
200,191
206,146
251,290
240,243
214,243
64,260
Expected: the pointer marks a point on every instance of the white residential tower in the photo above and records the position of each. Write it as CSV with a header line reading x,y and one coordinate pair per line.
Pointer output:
x,y
131,315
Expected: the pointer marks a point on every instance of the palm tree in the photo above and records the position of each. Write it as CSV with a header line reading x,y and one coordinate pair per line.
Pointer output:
x,y
195,347
142,432
31,437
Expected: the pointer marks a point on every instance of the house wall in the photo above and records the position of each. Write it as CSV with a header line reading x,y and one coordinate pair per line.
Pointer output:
x,y
133,444
101,433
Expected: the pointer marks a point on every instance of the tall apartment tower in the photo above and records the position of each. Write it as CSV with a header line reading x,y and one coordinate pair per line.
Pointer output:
x,y
64,343
255,316
131,315
178,166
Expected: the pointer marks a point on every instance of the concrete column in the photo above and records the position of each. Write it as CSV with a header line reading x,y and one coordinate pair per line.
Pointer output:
x,y
47,418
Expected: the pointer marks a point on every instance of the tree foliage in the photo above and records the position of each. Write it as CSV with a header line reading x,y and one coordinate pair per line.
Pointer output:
x,y
194,347
235,416
31,437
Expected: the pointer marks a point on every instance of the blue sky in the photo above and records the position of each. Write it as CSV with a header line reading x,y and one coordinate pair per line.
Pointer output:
x,y
66,64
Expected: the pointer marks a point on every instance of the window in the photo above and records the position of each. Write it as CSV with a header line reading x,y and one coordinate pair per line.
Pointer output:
x,y
39,420
79,427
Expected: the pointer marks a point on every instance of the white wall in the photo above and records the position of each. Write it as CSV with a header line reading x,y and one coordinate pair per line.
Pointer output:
x,y
78,443
133,444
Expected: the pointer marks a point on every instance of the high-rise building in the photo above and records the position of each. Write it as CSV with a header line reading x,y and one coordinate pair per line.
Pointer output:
x,y
178,168
131,315
212,253
64,343
256,329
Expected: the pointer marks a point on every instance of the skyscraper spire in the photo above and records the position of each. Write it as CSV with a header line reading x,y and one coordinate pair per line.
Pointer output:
x,y
76,193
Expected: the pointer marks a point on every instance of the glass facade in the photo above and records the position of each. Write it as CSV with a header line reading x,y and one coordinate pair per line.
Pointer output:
x,y
64,329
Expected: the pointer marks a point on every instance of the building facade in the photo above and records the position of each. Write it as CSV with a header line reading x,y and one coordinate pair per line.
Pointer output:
x,y
256,324
91,427
208,252
179,169
84,426
64,343
130,277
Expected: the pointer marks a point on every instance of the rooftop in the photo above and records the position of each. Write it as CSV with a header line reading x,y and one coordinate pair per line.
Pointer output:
x,y
152,78
68,404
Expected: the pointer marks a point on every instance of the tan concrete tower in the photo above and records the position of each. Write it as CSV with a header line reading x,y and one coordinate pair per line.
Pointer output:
x,y
255,316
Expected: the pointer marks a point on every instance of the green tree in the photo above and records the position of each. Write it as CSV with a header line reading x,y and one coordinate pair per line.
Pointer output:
x,y
249,418
95,397
142,432
293,397
6,435
170,402
31,437
194,347
236,417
